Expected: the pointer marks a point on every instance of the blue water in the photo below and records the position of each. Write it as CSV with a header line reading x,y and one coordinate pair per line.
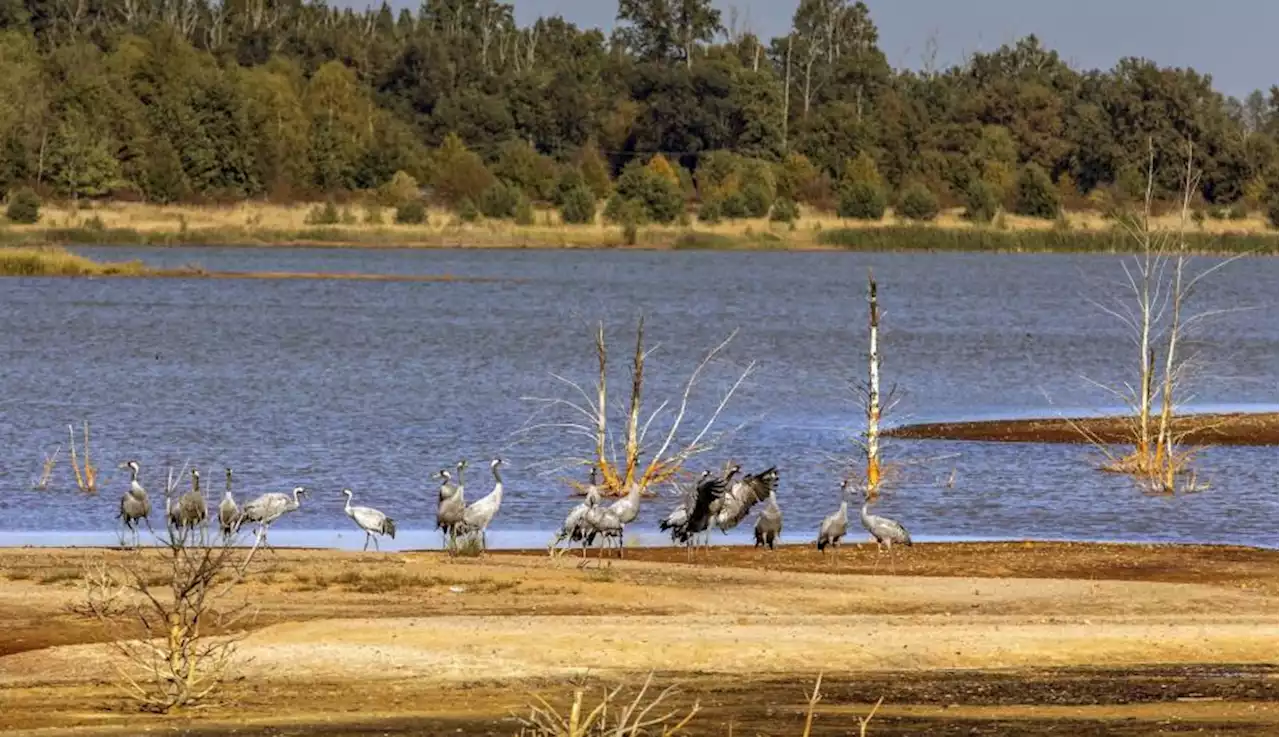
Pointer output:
x,y
376,385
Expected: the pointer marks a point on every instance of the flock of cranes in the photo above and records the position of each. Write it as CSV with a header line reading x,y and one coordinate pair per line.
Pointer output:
x,y
719,501
722,501
190,510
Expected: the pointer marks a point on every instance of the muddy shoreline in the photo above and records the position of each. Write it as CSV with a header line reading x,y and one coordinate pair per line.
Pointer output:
x,y
1238,428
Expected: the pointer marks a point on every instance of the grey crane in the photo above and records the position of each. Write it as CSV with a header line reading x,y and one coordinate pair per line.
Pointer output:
x,y
604,523
190,511
769,523
835,525
743,495
450,505
708,490
134,504
477,516
626,510
228,512
268,508
370,520
574,529
886,532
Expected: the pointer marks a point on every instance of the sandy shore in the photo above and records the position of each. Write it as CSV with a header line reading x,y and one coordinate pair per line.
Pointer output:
x,y
975,638
1208,429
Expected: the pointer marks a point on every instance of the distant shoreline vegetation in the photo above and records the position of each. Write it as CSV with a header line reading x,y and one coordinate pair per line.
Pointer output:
x,y
677,120
266,225
56,261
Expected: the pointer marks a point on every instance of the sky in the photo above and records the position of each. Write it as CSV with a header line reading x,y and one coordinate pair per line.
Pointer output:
x,y
1235,41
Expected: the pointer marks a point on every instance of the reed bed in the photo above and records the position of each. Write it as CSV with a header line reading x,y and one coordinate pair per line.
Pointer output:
x,y
264,224
57,261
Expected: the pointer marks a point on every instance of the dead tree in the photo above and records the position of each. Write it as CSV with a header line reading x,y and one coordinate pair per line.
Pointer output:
x,y
585,416
173,615
1155,311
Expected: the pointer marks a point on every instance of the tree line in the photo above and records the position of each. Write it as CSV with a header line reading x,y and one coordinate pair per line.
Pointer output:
x,y
218,100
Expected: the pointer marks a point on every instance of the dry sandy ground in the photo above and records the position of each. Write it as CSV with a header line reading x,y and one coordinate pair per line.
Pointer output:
x,y
1014,638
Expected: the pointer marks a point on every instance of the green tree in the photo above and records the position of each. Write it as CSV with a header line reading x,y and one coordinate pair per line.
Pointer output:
x,y
1273,211
519,164
916,202
1036,195
458,173
595,171
499,201
578,205
653,187
80,162
981,202
24,207
657,30
862,192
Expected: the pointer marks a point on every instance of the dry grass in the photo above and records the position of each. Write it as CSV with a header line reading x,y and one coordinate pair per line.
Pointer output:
x,y
57,261
58,575
388,581
264,223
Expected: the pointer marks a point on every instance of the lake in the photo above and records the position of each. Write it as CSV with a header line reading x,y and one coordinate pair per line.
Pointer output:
x,y
374,386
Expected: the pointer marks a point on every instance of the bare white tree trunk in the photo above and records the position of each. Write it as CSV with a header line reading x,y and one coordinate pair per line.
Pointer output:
x,y
873,389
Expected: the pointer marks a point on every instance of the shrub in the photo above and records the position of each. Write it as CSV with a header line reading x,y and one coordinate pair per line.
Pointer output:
x,y
595,170
757,196
499,201
570,179
734,206
862,201
710,212
459,173
981,202
326,214
655,188
1273,211
412,212
24,207
523,214
862,194
401,188
1036,195
917,203
578,205
1238,211
784,211
467,211
798,179
521,165
373,214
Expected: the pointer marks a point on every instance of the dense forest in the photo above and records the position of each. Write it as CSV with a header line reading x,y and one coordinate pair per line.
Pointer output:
x,y
212,101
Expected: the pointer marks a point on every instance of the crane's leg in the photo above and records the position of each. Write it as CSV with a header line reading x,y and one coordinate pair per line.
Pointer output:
x,y
622,538
892,568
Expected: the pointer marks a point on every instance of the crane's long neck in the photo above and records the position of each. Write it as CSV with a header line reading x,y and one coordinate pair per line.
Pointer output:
x,y
844,509
226,495
461,468
497,484
633,494
866,517
228,481
297,500
195,484
347,508
133,474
